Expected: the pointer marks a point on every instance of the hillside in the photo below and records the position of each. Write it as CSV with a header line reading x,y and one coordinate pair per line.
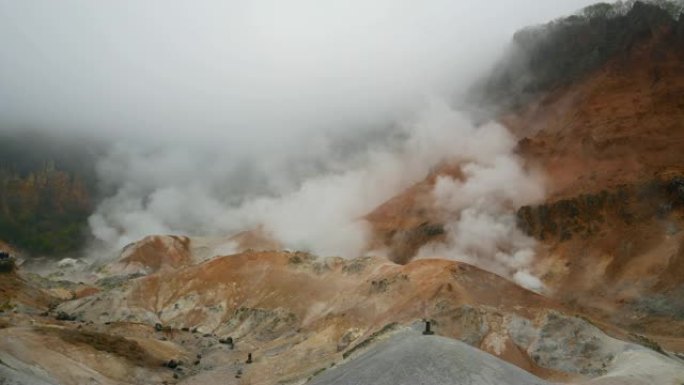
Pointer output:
x,y
298,315
47,192
609,143
610,146
595,103
549,57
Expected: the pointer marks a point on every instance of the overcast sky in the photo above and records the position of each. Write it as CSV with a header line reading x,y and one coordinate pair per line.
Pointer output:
x,y
253,72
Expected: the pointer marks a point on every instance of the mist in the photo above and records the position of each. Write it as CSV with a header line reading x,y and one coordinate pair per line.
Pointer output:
x,y
479,206
247,73
299,116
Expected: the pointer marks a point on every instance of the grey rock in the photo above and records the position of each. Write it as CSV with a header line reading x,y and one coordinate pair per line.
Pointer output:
x,y
407,358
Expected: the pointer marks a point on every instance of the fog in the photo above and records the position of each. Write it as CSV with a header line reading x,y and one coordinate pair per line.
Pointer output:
x,y
299,116
253,73
479,206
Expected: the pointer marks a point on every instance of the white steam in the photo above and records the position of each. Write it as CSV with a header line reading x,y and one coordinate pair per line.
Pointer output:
x,y
479,208
166,191
169,191
228,115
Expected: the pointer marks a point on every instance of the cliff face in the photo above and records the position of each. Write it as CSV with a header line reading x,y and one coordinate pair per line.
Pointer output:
x,y
586,215
610,145
623,244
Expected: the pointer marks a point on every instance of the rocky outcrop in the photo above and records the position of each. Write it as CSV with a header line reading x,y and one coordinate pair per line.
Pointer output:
x,y
410,220
588,215
152,254
625,243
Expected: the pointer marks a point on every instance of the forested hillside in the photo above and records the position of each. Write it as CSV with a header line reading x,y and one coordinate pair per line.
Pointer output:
x,y
46,192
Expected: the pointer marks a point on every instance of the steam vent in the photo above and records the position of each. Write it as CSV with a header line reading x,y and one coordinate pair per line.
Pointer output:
x,y
342,193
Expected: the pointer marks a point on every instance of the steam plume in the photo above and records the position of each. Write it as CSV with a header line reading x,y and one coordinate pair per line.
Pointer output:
x,y
300,116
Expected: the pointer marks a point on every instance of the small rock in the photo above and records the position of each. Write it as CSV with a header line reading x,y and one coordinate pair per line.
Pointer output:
x,y
62,316
171,364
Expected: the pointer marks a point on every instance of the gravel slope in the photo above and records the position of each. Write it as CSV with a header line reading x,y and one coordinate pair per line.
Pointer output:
x,y
409,358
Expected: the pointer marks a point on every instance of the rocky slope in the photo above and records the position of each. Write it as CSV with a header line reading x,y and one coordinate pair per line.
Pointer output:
x,y
175,309
298,315
610,145
429,360
608,140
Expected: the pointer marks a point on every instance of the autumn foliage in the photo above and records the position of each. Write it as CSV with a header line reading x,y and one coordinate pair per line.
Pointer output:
x,y
44,211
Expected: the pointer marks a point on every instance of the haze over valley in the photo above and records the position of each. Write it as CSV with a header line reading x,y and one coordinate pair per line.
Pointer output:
x,y
291,193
